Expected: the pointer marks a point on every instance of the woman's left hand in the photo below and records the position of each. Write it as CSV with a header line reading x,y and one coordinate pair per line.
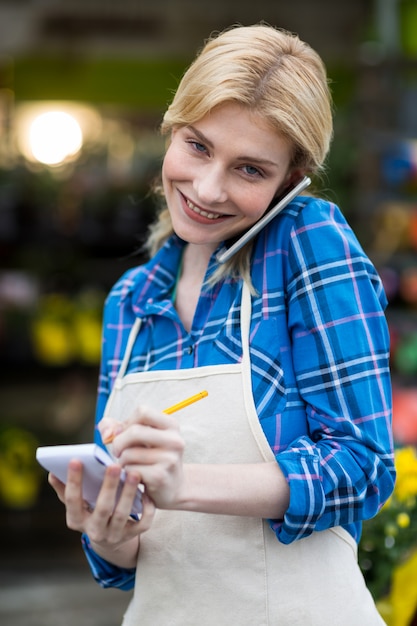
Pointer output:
x,y
150,443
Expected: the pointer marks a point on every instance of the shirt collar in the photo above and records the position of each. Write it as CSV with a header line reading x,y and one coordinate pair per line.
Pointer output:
x,y
150,287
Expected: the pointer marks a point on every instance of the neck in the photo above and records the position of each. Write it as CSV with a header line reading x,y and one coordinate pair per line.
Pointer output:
x,y
195,261
194,267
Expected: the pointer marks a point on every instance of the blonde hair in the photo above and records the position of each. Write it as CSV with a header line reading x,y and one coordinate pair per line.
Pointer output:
x,y
272,73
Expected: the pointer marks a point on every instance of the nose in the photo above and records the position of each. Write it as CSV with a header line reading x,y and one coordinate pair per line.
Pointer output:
x,y
210,185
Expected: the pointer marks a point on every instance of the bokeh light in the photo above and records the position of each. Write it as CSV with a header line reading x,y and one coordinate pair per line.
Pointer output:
x,y
54,137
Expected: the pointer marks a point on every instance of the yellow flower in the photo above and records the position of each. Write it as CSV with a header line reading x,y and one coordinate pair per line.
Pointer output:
x,y
406,465
403,520
403,597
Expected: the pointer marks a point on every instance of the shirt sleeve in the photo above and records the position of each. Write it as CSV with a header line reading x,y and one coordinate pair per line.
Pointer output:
x,y
341,471
106,574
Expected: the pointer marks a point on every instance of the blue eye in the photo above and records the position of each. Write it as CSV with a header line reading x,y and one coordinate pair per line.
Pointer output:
x,y
199,147
251,170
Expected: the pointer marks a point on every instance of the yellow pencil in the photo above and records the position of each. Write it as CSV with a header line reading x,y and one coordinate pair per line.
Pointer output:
x,y
172,409
184,403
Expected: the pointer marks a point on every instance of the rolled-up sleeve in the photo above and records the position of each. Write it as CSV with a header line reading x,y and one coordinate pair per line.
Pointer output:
x,y
106,574
342,470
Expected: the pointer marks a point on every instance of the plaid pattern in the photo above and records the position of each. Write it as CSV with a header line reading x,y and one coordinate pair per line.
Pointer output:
x,y
319,355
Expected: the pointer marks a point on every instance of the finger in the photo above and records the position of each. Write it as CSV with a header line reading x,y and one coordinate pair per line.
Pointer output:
x,y
106,422
74,501
58,486
139,435
148,513
73,486
132,527
151,417
107,497
135,527
95,522
122,511
145,459
109,429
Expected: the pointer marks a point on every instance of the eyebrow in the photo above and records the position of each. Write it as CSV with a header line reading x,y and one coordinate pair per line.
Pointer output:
x,y
250,159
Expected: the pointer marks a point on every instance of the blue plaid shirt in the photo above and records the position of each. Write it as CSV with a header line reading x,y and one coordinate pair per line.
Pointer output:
x,y
319,348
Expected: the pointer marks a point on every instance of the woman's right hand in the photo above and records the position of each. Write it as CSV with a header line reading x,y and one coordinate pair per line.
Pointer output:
x,y
113,533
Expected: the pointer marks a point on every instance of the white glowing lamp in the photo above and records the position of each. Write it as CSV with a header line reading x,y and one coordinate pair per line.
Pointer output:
x,y
54,137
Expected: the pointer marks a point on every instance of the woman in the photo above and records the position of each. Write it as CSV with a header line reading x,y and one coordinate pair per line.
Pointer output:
x,y
254,496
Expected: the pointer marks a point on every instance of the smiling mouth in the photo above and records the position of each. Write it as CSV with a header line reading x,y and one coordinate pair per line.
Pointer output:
x,y
206,214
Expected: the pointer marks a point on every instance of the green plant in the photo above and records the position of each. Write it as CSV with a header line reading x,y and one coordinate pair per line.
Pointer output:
x,y
389,544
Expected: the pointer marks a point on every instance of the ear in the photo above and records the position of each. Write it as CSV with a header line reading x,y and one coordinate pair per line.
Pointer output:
x,y
292,178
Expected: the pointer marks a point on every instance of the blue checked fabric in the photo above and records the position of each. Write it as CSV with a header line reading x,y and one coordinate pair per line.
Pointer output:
x,y
320,361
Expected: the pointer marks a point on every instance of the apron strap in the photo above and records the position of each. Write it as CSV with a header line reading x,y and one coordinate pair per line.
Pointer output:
x,y
253,419
129,347
245,318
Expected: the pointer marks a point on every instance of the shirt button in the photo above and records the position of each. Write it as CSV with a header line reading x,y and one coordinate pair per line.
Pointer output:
x,y
189,350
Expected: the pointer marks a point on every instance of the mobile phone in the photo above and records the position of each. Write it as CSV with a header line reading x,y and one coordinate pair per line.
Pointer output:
x,y
226,253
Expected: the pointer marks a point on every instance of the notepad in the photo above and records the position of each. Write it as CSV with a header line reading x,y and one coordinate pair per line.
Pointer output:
x,y
55,459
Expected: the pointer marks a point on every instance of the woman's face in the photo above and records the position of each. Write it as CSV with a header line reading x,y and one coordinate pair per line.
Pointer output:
x,y
221,173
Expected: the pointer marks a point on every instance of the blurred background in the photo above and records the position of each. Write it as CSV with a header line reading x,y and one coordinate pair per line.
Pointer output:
x,y
83,86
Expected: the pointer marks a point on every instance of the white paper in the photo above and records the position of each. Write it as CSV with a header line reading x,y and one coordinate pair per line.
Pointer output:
x,y
55,459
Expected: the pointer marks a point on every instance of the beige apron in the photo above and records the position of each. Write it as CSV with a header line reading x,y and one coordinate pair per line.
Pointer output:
x,y
197,569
